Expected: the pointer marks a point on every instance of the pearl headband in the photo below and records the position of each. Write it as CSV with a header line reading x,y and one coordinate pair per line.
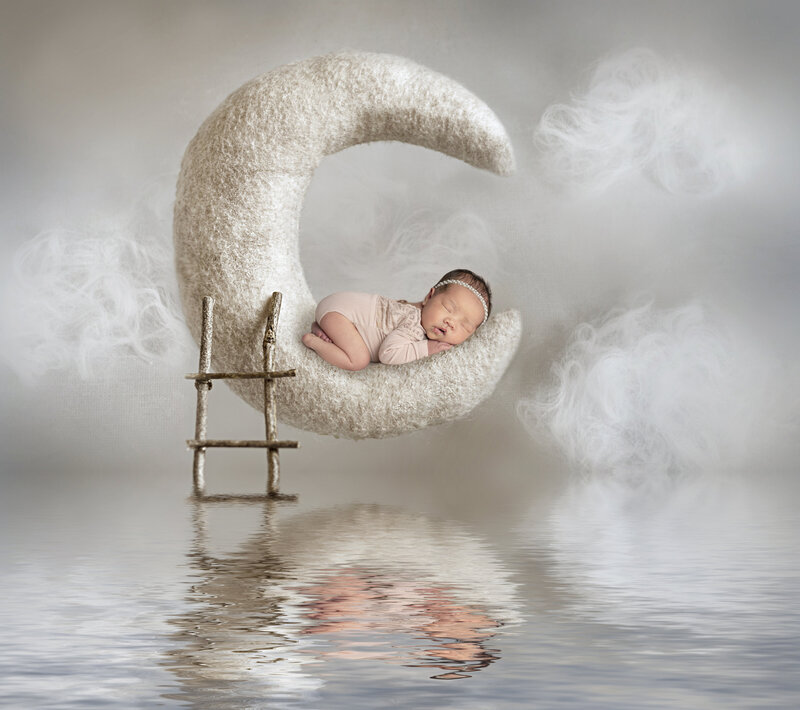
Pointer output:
x,y
471,288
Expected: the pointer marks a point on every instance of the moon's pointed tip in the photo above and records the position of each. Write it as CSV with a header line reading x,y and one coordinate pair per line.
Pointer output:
x,y
505,164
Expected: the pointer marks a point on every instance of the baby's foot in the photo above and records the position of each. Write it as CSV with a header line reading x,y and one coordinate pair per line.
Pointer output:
x,y
308,340
316,330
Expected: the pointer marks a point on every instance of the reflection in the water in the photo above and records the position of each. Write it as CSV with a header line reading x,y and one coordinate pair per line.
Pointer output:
x,y
350,605
703,555
341,585
237,626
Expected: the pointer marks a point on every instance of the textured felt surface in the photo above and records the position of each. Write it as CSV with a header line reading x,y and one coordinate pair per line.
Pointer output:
x,y
240,192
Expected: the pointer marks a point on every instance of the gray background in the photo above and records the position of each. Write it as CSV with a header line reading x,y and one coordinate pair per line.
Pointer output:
x,y
100,100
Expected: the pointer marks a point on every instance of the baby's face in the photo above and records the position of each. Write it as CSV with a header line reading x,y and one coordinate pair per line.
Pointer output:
x,y
452,315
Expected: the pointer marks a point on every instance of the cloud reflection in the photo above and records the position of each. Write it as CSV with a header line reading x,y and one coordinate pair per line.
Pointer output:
x,y
705,556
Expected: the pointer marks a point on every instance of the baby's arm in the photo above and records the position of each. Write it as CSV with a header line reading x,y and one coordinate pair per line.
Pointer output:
x,y
399,347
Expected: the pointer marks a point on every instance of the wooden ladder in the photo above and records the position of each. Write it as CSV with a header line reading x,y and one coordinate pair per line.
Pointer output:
x,y
203,382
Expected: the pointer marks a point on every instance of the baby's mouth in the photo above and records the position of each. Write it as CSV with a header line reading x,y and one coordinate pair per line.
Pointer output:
x,y
439,331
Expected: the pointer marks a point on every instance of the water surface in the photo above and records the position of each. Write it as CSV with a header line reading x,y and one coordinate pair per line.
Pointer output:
x,y
594,597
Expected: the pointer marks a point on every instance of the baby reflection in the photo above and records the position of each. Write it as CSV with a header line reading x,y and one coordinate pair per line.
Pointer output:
x,y
352,604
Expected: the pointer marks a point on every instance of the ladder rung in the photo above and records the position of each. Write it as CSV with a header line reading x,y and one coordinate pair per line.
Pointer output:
x,y
202,376
242,444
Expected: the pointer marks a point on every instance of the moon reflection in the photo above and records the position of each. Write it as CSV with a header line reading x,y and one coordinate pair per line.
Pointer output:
x,y
340,585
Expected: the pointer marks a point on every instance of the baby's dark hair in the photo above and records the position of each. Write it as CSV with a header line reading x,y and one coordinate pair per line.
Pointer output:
x,y
469,277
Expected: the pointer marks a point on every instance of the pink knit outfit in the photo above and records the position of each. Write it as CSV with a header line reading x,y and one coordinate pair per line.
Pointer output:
x,y
390,329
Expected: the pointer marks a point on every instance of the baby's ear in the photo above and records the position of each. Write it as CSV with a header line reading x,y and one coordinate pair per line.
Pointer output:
x,y
430,293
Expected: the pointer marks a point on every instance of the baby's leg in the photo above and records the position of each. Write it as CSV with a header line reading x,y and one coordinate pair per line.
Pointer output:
x,y
347,348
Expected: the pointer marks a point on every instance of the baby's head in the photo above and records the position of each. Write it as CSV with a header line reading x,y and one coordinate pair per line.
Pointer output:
x,y
456,306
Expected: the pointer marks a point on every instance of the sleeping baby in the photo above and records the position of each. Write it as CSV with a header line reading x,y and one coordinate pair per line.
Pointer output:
x,y
352,329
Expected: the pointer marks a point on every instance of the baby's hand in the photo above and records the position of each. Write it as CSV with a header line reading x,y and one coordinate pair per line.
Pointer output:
x,y
436,346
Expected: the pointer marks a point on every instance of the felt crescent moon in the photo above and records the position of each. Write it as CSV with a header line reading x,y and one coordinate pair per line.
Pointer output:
x,y
237,211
